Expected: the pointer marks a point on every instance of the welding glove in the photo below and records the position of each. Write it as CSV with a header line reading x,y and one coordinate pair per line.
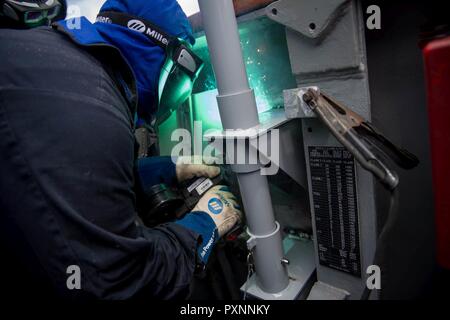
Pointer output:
x,y
214,215
196,166
155,170
221,205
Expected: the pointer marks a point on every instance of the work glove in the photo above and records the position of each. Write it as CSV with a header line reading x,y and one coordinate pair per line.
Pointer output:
x,y
151,171
214,215
221,205
196,166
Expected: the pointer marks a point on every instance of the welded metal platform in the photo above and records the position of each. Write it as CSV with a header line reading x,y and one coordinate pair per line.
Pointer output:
x,y
301,269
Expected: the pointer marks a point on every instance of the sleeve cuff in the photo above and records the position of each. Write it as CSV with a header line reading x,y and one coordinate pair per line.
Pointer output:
x,y
155,170
201,223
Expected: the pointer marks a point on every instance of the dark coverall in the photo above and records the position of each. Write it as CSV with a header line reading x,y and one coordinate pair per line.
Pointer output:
x,y
67,182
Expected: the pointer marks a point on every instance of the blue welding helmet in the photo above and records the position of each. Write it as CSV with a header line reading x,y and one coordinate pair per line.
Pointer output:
x,y
30,13
180,69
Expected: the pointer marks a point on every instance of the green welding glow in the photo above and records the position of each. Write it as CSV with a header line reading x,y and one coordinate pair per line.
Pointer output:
x,y
186,86
206,109
165,131
266,59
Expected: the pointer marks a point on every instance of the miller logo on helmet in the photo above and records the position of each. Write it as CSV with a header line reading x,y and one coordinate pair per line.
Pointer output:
x,y
136,25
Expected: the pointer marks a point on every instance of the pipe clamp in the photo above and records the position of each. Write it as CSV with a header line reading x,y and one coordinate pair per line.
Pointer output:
x,y
252,241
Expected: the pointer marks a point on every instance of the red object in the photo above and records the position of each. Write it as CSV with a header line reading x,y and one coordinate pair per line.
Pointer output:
x,y
437,67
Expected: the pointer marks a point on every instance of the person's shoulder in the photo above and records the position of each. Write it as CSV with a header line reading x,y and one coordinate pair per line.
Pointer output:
x,y
26,55
6,30
20,44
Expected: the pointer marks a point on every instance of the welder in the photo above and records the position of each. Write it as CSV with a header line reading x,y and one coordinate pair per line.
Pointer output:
x,y
70,97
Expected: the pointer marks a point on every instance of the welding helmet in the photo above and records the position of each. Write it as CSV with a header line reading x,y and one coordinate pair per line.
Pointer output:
x,y
180,69
178,74
30,13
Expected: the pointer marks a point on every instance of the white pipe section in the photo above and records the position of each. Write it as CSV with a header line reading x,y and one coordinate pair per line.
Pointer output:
x,y
228,61
237,106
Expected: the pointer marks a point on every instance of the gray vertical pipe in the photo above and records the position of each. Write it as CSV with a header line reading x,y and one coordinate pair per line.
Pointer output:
x,y
237,106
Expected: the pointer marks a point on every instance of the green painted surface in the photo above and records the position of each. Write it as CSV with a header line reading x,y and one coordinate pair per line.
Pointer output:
x,y
165,133
269,72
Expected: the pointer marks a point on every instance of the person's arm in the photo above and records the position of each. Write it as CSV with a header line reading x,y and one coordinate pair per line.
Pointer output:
x,y
67,185
155,170
214,215
171,261
162,169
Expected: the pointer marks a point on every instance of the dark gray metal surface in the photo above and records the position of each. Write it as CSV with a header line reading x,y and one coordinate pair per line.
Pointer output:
x,y
336,63
399,109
